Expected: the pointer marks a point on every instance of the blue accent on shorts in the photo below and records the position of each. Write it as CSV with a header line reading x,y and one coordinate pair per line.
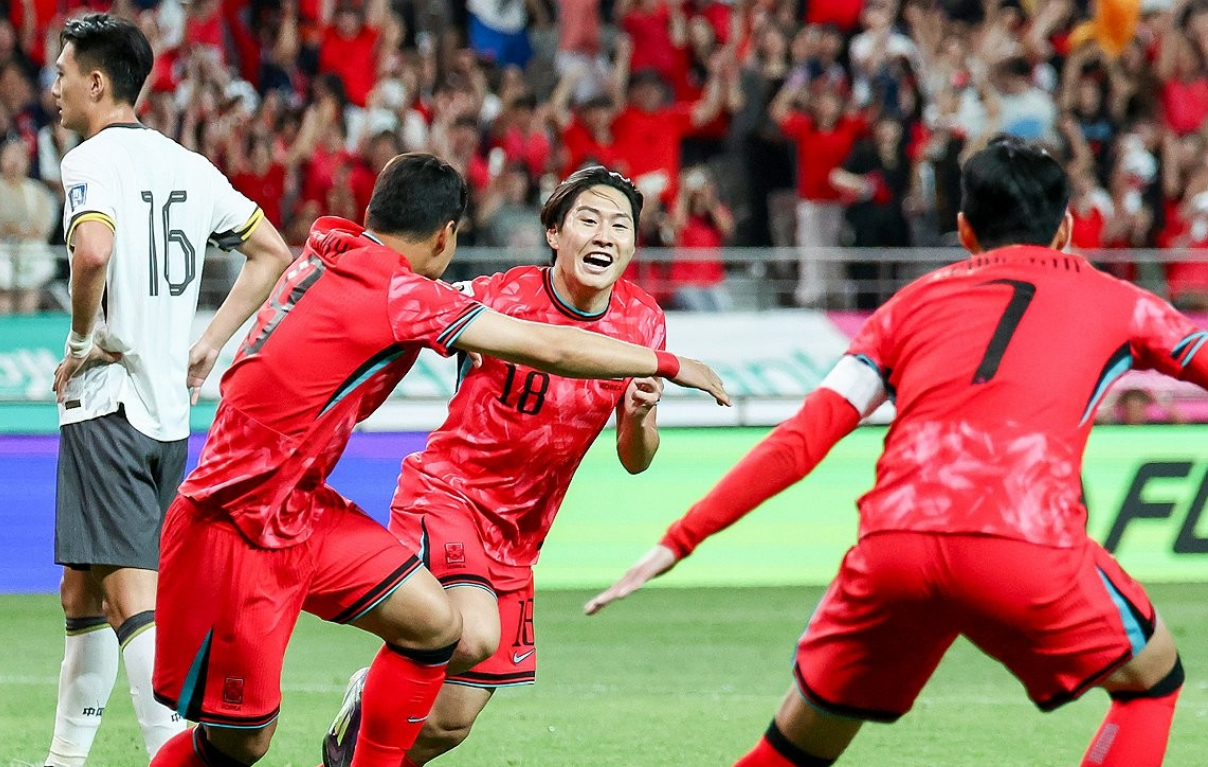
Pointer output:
x,y
1136,634
193,678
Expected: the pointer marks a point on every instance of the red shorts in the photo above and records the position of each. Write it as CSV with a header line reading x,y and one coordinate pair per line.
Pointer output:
x,y
226,608
446,536
1059,619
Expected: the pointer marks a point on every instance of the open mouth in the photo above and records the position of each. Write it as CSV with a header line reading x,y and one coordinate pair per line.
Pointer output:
x,y
598,260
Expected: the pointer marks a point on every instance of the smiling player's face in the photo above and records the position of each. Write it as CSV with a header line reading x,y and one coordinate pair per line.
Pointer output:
x,y
597,239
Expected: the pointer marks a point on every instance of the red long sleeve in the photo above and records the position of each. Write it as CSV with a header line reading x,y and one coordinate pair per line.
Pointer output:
x,y
783,458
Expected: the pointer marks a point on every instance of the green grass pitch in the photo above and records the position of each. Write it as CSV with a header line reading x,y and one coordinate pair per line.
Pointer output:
x,y
672,676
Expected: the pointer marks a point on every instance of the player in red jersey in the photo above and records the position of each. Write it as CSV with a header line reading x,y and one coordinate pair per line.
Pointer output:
x,y
480,499
976,524
256,535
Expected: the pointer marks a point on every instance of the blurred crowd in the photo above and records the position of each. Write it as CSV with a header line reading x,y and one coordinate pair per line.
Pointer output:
x,y
755,123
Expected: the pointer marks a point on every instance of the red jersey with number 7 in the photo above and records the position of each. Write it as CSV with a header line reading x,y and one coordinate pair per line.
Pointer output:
x,y
514,435
342,327
997,365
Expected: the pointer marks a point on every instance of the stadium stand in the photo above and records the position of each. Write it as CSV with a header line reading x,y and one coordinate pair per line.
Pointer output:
x,y
748,124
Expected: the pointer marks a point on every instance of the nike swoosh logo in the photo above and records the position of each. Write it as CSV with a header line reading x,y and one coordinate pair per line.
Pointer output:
x,y
415,719
519,658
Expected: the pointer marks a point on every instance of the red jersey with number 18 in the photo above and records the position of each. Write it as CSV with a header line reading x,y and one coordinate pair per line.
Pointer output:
x,y
340,330
514,435
997,365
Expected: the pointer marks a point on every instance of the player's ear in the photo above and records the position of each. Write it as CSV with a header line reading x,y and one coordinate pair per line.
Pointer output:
x,y
97,84
444,238
1064,232
966,234
551,238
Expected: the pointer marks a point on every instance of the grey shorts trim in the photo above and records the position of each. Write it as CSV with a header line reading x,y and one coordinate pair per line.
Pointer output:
x,y
114,486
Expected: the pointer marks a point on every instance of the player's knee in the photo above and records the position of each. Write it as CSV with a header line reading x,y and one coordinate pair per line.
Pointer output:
x,y
474,647
437,625
77,598
1168,685
1150,667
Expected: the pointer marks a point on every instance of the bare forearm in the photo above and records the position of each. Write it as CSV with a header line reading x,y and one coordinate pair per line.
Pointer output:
x,y
251,288
564,351
637,441
87,287
579,354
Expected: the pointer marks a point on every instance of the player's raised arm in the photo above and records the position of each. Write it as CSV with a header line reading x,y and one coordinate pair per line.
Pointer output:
x,y
852,390
267,257
576,353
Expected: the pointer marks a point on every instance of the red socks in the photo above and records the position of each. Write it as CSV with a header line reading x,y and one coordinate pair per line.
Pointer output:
x,y
399,692
1134,734
775,750
191,749
763,755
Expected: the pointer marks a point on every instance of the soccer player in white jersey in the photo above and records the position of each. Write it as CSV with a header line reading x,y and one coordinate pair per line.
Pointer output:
x,y
139,212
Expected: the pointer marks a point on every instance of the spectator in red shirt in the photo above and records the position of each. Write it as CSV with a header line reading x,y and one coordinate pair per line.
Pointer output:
x,y
649,131
824,135
586,132
204,27
520,131
702,225
719,15
350,44
1091,208
659,32
255,174
844,14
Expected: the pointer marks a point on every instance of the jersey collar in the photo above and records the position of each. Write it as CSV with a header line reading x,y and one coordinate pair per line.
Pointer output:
x,y
566,308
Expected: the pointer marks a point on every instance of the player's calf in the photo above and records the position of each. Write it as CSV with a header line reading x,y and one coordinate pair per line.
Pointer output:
x,y
450,722
203,746
1137,726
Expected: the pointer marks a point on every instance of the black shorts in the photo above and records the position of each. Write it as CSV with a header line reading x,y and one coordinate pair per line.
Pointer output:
x,y
114,486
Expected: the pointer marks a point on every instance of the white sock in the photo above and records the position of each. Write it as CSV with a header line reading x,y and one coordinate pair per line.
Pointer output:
x,y
158,722
85,680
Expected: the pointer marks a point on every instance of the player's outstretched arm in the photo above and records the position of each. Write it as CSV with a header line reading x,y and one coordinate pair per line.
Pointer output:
x,y
576,353
783,458
267,257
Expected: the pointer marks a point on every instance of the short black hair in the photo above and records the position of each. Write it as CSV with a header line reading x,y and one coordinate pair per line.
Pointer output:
x,y
113,45
1014,193
553,213
415,196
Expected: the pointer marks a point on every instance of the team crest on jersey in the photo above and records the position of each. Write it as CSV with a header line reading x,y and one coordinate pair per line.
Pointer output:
x,y
77,194
232,692
455,554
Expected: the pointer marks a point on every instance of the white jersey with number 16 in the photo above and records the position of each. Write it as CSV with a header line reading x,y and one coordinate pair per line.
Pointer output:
x,y
164,204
